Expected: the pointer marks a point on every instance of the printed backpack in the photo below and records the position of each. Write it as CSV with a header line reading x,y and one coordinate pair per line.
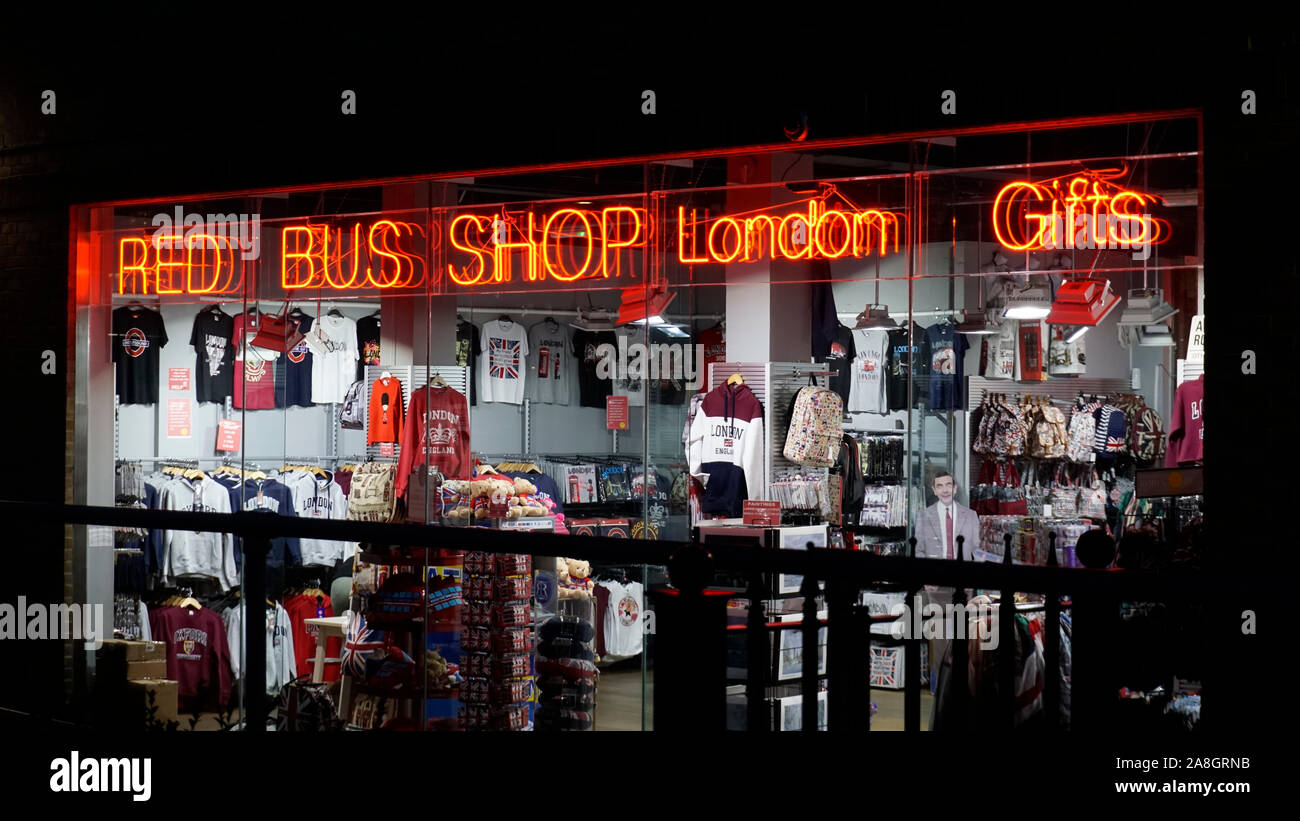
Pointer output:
x,y
1083,427
373,495
354,414
1050,435
816,425
1146,436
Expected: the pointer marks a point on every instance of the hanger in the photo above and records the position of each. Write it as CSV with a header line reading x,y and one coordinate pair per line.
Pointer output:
x,y
735,379
505,318
437,381
336,312
385,375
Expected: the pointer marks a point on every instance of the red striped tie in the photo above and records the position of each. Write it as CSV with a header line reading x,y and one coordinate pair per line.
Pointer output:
x,y
949,532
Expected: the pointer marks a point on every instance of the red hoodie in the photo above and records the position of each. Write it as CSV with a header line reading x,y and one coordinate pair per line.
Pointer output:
x,y
1187,427
437,423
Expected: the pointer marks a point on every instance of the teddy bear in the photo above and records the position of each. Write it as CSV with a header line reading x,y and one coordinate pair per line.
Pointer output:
x,y
579,584
492,492
523,487
530,505
561,571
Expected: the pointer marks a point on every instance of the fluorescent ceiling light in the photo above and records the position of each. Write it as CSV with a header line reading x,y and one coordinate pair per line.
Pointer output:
x,y
1146,306
1033,302
674,331
976,323
1155,336
1074,335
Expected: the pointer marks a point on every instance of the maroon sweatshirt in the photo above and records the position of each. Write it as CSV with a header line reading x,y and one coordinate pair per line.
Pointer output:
x,y
437,424
1187,427
198,658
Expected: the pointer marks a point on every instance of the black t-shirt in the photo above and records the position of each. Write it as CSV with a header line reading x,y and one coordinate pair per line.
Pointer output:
x,y
367,344
840,360
214,350
900,357
293,377
138,334
467,342
592,388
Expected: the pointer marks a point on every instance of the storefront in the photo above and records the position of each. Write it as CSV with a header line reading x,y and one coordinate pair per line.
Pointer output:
x,y
1018,310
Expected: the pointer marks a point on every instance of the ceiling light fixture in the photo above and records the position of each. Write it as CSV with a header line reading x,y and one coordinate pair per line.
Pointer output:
x,y
1146,306
1034,302
642,304
1155,336
1082,302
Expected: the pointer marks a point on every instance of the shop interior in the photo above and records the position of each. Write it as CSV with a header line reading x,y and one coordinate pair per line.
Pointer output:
x,y
950,351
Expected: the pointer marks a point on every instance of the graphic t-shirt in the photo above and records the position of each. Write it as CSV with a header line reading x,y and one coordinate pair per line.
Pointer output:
x,y
386,411
293,376
467,346
138,335
632,388
254,368
947,355
213,341
592,389
902,356
333,372
368,344
1001,357
867,389
501,361
715,350
549,363
624,632
840,361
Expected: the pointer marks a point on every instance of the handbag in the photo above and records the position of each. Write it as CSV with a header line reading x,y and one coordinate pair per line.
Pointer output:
x,y
1092,499
1011,499
420,505
983,497
1065,497
276,332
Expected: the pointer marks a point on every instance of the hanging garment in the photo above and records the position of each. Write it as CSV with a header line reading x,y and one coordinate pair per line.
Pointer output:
x,y
197,656
726,449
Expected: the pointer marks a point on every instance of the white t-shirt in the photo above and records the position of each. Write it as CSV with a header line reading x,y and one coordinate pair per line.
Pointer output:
x,y
623,628
333,372
1002,361
549,363
867,387
501,362
633,388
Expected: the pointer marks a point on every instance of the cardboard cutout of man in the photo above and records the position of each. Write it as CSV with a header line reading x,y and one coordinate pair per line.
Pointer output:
x,y
942,522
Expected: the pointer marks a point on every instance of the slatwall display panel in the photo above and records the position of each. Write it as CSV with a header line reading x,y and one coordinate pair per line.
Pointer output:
x,y
412,377
1063,388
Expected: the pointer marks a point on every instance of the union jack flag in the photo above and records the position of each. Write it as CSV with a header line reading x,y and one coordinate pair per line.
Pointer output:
x,y
504,358
360,644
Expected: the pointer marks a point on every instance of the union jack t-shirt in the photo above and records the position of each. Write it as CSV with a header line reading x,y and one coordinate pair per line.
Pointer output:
x,y
501,365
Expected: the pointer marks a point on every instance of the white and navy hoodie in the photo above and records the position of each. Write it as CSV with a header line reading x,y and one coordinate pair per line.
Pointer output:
x,y
187,553
319,497
726,449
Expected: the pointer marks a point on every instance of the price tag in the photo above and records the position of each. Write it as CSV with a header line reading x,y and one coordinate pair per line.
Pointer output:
x,y
386,449
761,514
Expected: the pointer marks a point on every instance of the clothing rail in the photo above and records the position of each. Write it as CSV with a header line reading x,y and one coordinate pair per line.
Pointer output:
x,y
567,313
914,315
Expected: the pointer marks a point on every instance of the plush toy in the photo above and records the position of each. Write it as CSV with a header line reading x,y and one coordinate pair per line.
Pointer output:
x,y
579,585
531,505
560,527
562,571
523,487
480,488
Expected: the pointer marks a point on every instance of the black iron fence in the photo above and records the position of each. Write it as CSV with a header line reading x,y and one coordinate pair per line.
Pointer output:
x,y
691,630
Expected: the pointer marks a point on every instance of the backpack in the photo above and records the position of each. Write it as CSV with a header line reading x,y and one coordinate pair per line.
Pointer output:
x,y
1050,435
1083,427
1146,435
1110,432
306,707
816,425
373,495
354,415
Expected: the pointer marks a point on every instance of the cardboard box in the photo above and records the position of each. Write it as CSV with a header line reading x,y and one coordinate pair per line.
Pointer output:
x,y
136,650
584,527
165,693
138,670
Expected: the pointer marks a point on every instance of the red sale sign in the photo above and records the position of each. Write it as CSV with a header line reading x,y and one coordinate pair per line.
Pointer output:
x,y
178,379
228,435
616,412
178,419
762,514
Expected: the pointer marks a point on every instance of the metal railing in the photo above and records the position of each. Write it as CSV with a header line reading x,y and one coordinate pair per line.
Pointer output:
x,y
690,615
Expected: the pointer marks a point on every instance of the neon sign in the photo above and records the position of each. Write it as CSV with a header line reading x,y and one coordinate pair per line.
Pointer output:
x,y
1083,212
375,256
570,244
821,233
177,264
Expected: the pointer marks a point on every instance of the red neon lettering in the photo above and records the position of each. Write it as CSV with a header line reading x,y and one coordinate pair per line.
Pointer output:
x,y
825,227
754,246
717,255
291,275
783,233
501,268
462,242
558,271
1114,213
336,261
199,242
137,268
165,274
681,236
613,242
